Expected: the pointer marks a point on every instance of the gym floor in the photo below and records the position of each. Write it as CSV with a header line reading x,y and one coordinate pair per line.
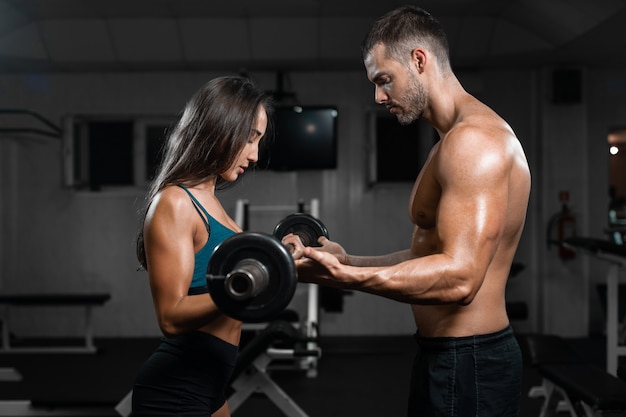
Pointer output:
x,y
357,376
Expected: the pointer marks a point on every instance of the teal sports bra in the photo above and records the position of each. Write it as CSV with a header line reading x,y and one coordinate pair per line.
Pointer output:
x,y
217,234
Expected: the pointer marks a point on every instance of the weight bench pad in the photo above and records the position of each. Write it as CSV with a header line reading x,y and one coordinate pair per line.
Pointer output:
x,y
589,384
54,299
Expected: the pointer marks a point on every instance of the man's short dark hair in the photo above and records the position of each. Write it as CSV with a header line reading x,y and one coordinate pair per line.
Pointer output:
x,y
405,28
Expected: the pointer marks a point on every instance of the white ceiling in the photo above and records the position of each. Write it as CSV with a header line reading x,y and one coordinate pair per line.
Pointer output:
x,y
129,35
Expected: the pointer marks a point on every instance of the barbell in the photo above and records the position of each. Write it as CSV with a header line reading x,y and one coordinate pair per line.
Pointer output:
x,y
251,276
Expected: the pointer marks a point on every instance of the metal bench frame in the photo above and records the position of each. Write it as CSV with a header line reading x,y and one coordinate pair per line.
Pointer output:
x,y
86,301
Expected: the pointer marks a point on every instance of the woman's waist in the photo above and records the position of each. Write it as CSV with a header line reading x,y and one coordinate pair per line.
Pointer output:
x,y
198,345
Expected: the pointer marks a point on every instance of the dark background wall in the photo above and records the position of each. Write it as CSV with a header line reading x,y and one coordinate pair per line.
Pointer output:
x,y
55,238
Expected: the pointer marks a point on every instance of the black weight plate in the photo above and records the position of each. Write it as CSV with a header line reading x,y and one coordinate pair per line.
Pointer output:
x,y
307,227
280,266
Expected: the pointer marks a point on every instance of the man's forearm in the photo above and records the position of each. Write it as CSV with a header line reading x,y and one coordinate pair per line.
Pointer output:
x,y
382,260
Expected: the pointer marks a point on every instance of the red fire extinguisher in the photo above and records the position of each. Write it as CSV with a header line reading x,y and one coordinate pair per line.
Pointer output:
x,y
563,224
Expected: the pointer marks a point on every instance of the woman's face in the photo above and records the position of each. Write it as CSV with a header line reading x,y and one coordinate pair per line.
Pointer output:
x,y
250,152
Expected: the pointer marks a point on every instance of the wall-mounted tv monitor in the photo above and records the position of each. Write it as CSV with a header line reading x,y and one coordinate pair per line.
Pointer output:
x,y
305,138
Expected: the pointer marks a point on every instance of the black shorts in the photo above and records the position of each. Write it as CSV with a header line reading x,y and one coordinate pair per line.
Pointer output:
x,y
186,376
478,376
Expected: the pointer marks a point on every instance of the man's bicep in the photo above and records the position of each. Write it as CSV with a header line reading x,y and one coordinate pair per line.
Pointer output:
x,y
472,209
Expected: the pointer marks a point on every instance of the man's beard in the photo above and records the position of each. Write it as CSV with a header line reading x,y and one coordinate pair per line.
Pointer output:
x,y
413,100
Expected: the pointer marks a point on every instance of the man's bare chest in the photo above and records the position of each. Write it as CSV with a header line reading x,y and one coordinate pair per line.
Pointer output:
x,y
424,199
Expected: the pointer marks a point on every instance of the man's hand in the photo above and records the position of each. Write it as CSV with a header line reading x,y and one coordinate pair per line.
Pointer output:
x,y
320,267
296,247
334,249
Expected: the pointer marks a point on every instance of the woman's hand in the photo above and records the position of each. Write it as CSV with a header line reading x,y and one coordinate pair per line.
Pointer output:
x,y
294,245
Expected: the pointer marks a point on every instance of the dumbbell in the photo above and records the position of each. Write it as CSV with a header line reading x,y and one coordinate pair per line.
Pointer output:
x,y
252,276
308,228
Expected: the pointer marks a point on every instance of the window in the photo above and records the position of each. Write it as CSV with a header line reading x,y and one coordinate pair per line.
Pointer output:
x,y
155,139
104,153
397,152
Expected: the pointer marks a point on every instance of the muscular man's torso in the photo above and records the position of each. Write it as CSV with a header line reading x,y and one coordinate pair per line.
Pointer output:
x,y
487,312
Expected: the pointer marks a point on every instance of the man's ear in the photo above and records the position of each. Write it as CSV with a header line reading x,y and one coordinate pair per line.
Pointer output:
x,y
418,59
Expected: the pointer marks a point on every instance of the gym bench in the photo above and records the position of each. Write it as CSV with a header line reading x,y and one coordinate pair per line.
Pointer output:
x,y
615,255
278,341
570,382
87,301
587,389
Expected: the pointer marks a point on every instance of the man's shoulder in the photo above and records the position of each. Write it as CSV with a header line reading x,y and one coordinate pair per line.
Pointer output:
x,y
482,126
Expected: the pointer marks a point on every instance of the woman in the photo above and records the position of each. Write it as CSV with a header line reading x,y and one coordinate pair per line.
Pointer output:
x,y
216,140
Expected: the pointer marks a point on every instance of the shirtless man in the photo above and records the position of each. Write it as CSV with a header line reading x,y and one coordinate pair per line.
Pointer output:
x,y
468,207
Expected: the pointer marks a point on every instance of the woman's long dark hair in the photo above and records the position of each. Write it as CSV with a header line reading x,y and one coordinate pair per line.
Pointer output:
x,y
214,127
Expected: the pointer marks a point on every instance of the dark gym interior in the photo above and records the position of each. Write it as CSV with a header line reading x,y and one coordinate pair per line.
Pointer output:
x,y
88,88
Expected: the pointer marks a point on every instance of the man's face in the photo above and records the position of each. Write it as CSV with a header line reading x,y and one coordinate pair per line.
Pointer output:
x,y
397,85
